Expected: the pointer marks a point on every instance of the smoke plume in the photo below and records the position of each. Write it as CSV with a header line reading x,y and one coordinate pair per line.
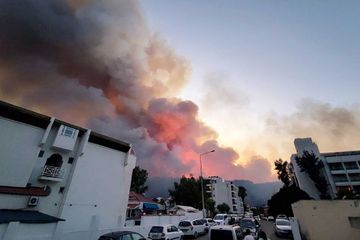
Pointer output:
x,y
98,64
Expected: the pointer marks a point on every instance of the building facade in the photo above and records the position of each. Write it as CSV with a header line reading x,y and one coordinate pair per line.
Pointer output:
x,y
341,169
225,192
61,171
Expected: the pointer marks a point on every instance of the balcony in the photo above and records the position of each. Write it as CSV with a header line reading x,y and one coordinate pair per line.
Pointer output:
x,y
51,173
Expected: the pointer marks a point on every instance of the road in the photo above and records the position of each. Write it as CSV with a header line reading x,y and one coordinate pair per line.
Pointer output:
x,y
267,227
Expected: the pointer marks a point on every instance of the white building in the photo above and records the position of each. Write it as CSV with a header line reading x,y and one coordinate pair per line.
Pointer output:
x,y
341,169
225,192
65,180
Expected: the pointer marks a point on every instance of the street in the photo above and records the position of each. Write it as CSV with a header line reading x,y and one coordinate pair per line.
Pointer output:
x,y
267,227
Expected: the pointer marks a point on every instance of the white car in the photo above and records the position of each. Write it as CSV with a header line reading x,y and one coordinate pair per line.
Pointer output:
x,y
192,228
221,219
208,223
165,232
283,228
225,232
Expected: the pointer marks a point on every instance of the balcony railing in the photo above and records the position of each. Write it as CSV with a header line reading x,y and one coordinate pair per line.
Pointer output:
x,y
52,173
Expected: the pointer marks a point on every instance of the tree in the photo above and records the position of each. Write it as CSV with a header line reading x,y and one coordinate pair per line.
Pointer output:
x,y
210,206
223,208
280,202
138,180
282,171
311,164
242,193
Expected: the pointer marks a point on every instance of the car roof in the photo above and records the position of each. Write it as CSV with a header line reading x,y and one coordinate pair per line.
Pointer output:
x,y
225,227
163,225
118,234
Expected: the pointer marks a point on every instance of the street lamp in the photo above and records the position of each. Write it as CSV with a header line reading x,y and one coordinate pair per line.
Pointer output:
x,y
202,182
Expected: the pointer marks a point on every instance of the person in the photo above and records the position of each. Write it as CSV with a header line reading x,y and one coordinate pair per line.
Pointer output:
x,y
262,236
248,235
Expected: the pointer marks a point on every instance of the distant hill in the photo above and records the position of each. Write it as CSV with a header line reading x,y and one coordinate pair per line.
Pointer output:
x,y
257,193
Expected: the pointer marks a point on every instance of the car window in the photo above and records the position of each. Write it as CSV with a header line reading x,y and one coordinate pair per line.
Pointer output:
x,y
238,234
157,229
106,238
126,237
282,222
197,222
169,229
184,224
174,229
211,221
220,234
136,236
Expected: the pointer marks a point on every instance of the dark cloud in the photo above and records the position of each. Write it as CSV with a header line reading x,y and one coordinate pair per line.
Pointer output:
x,y
97,64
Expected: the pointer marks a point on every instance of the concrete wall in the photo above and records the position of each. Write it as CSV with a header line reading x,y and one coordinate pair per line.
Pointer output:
x,y
19,149
327,219
99,187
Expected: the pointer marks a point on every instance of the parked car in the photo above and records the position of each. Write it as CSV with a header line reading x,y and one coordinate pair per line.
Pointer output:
x,y
208,222
270,218
225,232
122,235
192,228
283,228
165,232
221,219
249,223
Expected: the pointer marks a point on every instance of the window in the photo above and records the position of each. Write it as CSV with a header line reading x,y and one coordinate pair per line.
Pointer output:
x,y
126,237
41,153
61,189
68,131
340,178
54,160
174,229
136,236
169,229
351,165
354,177
336,166
71,160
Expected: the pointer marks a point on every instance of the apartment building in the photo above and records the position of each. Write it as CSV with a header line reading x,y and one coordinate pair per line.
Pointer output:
x,y
341,169
54,172
223,191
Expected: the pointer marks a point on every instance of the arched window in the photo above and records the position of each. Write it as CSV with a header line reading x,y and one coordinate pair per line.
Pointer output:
x,y
54,160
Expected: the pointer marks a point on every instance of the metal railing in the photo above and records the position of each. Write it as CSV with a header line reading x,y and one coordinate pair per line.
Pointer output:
x,y
53,172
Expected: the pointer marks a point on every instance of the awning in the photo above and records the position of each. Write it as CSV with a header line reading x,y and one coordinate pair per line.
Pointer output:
x,y
26,216
150,206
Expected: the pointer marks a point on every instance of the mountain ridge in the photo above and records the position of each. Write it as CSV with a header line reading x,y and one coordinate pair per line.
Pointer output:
x,y
257,193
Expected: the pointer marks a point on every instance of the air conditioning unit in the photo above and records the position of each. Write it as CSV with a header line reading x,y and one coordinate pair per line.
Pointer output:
x,y
33,201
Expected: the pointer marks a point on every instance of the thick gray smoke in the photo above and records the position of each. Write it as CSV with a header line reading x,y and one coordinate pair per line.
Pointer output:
x,y
97,64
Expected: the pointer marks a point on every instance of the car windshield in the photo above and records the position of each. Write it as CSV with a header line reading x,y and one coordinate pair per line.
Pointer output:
x,y
283,223
218,234
247,224
218,217
184,224
157,229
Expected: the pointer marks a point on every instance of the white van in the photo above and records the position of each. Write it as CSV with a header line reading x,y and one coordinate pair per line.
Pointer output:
x,y
228,232
192,228
221,219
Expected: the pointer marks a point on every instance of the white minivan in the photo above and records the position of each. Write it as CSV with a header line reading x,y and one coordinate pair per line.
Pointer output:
x,y
165,232
225,232
221,219
192,228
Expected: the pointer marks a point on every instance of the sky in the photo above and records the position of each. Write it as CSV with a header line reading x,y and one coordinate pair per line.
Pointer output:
x,y
180,78
270,56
